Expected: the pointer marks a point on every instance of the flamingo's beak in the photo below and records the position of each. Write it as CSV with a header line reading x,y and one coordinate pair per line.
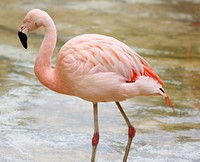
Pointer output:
x,y
23,38
23,34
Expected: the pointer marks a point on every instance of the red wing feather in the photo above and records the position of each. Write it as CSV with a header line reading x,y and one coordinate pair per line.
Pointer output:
x,y
149,72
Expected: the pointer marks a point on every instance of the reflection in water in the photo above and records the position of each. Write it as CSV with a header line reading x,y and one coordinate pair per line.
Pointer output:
x,y
39,125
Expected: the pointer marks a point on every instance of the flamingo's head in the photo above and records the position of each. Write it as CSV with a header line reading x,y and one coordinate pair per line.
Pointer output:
x,y
148,86
32,21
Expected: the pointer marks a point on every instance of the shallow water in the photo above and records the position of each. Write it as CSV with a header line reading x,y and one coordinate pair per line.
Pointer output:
x,y
38,125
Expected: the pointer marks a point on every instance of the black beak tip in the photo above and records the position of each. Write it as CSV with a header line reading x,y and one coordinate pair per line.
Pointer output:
x,y
23,39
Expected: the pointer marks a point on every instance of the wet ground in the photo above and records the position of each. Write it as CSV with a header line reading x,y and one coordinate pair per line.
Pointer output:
x,y
38,125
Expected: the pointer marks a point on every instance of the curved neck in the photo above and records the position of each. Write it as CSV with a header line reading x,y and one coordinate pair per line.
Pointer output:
x,y
42,68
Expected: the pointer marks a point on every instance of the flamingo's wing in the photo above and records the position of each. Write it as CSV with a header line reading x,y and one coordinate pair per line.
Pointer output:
x,y
96,53
147,69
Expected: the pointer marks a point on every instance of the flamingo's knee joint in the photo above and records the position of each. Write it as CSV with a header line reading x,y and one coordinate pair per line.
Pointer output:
x,y
131,132
95,139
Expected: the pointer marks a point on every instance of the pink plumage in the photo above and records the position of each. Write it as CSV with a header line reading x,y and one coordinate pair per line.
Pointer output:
x,y
93,67
107,67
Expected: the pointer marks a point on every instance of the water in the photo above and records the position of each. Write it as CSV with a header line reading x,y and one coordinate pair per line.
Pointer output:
x,y
38,125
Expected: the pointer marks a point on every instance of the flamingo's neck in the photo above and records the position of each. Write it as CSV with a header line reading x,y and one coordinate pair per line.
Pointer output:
x,y
43,70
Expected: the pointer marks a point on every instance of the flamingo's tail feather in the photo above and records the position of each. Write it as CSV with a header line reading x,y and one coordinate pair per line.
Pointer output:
x,y
167,99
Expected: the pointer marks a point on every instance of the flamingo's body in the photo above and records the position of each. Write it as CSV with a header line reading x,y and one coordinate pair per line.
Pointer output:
x,y
109,69
93,67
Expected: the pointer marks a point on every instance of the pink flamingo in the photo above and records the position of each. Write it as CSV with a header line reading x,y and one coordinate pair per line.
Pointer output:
x,y
93,67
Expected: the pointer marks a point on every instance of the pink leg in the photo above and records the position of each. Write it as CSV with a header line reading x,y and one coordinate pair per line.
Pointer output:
x,y
95,139
131,131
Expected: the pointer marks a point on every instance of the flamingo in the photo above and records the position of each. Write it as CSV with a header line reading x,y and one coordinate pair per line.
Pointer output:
x,y
94,67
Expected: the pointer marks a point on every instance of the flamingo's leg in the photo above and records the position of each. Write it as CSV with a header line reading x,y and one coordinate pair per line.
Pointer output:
x,y
131,131
95,139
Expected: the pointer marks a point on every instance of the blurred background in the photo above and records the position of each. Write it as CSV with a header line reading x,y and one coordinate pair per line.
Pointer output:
x,y
38,125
